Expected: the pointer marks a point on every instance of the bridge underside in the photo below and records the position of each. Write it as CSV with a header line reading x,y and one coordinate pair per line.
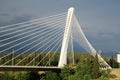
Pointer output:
x,y
29,68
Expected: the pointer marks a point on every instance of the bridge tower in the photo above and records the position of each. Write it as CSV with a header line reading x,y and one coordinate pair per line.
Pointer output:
x,y
63,54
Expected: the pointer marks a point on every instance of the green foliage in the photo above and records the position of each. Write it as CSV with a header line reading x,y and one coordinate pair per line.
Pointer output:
x,y
72,77
96,72
103,78
84,71
66,72
34,75
86,68
5,76
106,73
21,76
14,76
50,76
113,63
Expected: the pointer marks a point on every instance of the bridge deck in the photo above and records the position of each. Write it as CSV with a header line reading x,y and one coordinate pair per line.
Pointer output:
x,y
29,68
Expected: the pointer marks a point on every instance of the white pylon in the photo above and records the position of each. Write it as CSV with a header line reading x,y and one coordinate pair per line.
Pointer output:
x,y
63,54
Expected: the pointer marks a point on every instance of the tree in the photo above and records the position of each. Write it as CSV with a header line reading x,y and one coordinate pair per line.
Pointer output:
x,y
83,71
96,72
103,78
113,63
21,76
66,72
106,73
6,76
34,76
50,76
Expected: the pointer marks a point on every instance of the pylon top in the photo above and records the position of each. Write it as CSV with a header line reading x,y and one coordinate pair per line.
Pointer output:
x,y
71,9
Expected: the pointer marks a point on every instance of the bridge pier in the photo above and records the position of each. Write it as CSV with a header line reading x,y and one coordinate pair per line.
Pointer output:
x,y
63,54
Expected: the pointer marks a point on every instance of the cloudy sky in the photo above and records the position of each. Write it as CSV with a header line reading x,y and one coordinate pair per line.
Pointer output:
x,y
100,19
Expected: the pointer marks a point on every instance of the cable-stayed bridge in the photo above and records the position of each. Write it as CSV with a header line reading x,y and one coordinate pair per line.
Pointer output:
x,y
46,35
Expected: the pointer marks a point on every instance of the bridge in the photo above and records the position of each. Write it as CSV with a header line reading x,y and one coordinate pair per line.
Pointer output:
x,y
51,34
30,68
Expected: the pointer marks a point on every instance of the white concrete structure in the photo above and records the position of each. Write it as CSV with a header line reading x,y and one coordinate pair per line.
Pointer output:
x,y
45,36
63,54
66,37
118,57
